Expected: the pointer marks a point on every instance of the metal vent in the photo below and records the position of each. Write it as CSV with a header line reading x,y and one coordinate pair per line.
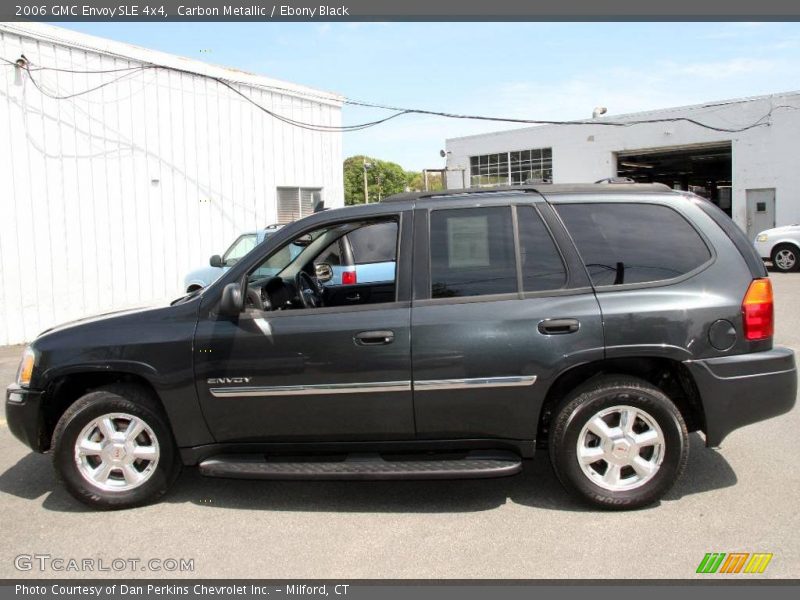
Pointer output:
x,y
296,203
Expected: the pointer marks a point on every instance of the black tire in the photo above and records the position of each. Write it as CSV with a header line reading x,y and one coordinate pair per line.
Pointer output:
x,y
605,392
118,398
793,252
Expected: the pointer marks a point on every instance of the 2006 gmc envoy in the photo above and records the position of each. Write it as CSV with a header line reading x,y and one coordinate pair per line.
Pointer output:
x,y
603,322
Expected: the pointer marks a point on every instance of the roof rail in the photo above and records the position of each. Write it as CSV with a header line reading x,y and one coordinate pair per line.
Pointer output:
x,y
617,184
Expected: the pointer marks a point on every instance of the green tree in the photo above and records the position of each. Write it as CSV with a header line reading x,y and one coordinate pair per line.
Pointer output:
x,y
416,181
384,178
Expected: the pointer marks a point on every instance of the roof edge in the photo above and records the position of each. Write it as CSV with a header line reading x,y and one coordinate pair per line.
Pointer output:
x,y
125,51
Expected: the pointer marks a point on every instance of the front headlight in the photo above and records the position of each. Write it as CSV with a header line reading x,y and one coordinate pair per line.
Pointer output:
x,y
26,367
762,237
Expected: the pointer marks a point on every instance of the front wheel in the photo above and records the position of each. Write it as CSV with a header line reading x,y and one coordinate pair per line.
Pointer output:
x,y
618,442
785,258
113,448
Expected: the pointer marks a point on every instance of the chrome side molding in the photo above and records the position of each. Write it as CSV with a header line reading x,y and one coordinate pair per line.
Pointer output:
x,y
475,382
311,390
373,386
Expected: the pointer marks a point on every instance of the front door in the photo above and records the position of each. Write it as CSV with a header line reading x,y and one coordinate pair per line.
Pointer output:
x,y
760,211
333,373
497,318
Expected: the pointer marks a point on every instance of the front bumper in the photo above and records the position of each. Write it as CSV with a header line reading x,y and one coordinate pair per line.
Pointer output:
x,y
24,416
743,389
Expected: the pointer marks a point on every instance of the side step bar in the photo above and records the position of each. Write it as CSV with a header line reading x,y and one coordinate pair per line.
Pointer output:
x,y
473,465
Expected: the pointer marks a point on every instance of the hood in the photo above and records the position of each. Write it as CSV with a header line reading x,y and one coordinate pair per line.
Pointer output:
x,y
783,229
98,318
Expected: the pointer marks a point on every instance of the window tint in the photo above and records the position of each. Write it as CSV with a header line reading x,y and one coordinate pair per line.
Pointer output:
x,y
542,268
472,252
633,243
374,243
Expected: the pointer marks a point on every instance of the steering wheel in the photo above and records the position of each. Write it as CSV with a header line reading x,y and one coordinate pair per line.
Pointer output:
x,y
309,290
253,299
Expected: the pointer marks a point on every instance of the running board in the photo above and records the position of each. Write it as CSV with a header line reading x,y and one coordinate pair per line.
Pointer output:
x,y
473,465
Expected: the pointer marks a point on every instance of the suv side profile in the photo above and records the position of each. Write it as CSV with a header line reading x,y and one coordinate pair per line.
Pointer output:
x,y
600,322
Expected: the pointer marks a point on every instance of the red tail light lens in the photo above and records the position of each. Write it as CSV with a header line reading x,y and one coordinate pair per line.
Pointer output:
x,y
349,278
757,310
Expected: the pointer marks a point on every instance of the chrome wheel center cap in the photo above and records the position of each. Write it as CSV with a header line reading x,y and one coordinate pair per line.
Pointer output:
x,y
621,449
116,453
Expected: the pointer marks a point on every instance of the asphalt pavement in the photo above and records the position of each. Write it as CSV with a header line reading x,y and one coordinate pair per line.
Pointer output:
x,y
740,498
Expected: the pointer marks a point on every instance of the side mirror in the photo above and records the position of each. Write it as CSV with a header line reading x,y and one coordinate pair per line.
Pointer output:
x,y
231,304
215,261
324,272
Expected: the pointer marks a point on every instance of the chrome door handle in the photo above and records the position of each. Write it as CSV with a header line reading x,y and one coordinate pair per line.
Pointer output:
x,y
374,338
558,326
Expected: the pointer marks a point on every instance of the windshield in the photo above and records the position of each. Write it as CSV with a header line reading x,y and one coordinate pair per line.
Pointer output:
x,y
239,248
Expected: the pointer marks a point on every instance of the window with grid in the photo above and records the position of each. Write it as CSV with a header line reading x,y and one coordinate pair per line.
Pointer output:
x,y
295,203
512,168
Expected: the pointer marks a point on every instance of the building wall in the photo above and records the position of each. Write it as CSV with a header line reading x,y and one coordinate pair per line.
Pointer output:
x,y
763,157
109,198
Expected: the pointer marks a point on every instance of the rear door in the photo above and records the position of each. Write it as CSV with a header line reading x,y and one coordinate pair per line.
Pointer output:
x,y
500,310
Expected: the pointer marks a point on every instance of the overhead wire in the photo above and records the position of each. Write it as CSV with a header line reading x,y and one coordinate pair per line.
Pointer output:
x,y
397,111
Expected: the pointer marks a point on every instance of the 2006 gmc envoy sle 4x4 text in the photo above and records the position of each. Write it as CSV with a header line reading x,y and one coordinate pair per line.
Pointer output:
x,y
604,322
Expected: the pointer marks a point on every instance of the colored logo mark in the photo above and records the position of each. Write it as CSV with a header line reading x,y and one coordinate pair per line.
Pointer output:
x,y
734,562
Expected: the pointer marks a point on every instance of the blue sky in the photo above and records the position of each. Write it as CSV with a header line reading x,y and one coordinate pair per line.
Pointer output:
x,y
521,70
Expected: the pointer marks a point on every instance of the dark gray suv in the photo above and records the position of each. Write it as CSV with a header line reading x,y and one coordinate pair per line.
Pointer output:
x,y
603,322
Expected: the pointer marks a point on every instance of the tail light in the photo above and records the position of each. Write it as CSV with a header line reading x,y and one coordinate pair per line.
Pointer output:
x,y
757,310
349,278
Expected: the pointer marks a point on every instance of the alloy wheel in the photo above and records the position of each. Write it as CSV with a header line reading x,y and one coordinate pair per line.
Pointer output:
x,y
620,448
117,452
785,259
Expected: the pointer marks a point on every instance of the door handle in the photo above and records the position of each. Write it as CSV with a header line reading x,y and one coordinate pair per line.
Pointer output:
x,y
374,338
559,326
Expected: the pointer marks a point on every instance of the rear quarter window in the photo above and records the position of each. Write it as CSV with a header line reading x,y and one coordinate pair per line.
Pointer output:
x,y
623,243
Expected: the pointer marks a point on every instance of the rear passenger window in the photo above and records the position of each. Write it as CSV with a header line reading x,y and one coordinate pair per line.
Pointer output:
x,y
374,243
633,243
542,267
472,252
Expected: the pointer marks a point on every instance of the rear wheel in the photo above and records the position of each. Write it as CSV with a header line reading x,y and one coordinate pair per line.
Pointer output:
x,y
786,258
618,442
113,448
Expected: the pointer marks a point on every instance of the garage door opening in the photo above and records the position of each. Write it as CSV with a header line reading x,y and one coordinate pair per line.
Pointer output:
x,y
704,170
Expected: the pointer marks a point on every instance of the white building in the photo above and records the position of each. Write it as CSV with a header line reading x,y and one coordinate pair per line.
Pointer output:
x,y
753,174
135,175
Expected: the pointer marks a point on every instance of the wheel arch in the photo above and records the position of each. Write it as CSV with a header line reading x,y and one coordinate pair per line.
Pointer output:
x,y
794,244
65,388
669,375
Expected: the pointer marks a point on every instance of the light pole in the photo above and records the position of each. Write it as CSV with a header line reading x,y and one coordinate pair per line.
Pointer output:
x,y
366,189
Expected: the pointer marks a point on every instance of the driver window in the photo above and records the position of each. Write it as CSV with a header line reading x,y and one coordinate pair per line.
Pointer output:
x,y
344,264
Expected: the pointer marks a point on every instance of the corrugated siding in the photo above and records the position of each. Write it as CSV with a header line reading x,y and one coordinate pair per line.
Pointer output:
x,y
108,199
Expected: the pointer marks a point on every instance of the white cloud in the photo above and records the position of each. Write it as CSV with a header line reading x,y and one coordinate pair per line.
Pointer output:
x,y
728,68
